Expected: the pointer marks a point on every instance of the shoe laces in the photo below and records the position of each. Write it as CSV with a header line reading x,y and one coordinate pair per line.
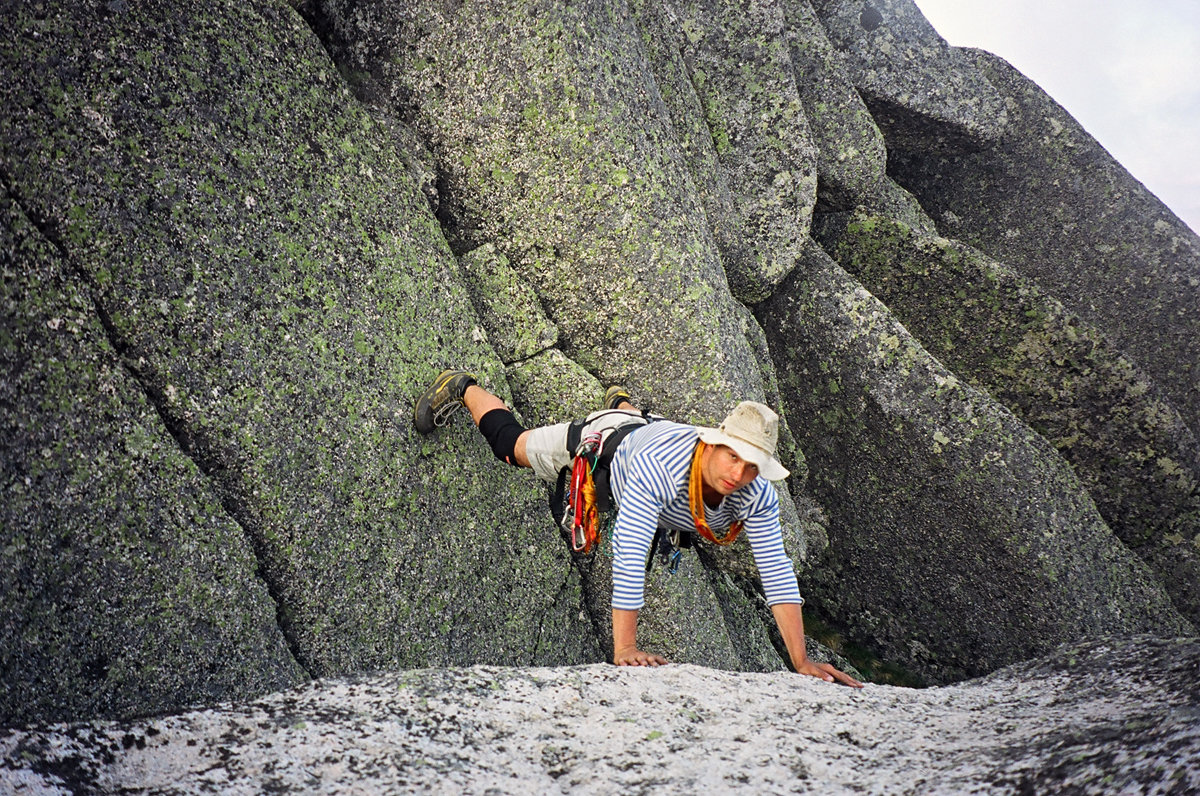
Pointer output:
x,y
442,415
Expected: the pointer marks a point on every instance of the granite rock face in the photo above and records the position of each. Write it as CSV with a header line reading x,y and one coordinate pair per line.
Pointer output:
x,y
935,491
554,147
240,238
1136,456
274,290
1111,716
1049,202
918,88
127,585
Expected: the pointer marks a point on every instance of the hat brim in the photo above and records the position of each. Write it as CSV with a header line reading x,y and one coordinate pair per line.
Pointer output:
x,y
768,466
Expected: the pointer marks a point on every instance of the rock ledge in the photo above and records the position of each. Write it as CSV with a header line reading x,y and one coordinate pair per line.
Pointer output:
x,y
1107,716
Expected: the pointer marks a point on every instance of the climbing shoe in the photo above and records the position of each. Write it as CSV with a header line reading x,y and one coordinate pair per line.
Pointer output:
x,y
443,398
613,397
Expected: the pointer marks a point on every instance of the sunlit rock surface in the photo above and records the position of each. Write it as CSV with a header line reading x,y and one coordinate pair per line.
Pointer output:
x,y
1114,716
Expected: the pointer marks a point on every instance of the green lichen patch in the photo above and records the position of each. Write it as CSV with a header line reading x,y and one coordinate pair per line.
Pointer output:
x,y
550,388
128,588
273,277
508,306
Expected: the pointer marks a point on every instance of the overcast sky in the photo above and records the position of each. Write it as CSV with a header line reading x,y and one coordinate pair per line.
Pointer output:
x,y
1127,70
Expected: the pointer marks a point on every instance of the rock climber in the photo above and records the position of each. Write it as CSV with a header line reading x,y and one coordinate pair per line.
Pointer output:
x,y
654,474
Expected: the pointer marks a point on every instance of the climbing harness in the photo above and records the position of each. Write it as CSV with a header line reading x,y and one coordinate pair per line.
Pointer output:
x,y
584,492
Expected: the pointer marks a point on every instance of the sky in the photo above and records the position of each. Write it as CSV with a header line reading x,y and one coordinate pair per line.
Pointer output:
x,y
1127,70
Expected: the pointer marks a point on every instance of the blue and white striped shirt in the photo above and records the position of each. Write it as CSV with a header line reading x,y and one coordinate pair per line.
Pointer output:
x,y
649,475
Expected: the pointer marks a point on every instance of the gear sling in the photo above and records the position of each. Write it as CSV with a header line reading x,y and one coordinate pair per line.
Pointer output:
x,y
584,490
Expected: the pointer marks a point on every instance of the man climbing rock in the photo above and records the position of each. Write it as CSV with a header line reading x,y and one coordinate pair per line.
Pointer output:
x,y
660,474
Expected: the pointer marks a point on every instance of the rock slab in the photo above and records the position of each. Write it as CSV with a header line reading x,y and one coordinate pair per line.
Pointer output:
x,y
1109,716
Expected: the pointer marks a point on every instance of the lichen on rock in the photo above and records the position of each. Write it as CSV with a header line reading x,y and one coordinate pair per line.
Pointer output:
x,y
272,275
1132,451
937,493
241,238
1049,202
128,587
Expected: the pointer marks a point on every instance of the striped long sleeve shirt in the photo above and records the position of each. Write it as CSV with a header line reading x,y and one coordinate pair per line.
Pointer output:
x,y
650,487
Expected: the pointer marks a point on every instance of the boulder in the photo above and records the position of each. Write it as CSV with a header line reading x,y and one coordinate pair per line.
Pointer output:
x,y
1132,451
1050,203
917,87
851,156
754,169
960,541
550,388
275,285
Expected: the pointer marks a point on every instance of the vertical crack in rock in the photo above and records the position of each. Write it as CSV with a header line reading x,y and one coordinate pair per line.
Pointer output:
x,y
560,594
528,357
197,448
596,584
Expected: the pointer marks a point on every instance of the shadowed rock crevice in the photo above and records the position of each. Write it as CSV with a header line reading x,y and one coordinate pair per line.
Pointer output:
x,y
732,569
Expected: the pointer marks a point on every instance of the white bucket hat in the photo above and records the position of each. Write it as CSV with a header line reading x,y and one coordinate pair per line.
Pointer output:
x,y
752,430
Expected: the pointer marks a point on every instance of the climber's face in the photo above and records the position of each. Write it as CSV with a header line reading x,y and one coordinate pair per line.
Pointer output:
x,y
723,471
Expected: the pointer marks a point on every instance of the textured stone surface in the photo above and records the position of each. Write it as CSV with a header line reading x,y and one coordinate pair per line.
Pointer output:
x,y
270,273
275,222
555,147
127,586
1116,716
550,388
508,306
942,506
1132,451
917,87
735,57
1049,202
662,40
851,157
